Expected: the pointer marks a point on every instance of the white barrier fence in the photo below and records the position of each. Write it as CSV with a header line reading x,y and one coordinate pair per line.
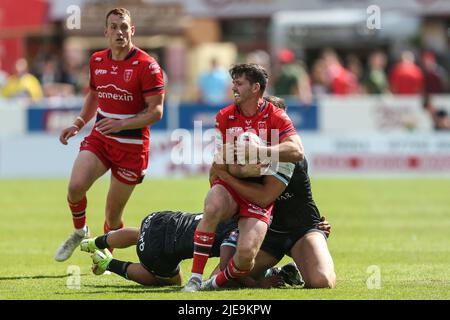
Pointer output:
x,y
42,156
383,113
334,114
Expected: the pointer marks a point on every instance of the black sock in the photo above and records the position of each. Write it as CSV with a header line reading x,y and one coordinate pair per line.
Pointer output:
x,y
101,241
119,267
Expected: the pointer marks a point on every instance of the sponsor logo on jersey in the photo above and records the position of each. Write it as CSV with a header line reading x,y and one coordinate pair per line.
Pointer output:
x,y
100,71
286,196
231,117
135,63
235,129
155,68
119,95
142,240
114,69
127,74
262,125
248,122
98,59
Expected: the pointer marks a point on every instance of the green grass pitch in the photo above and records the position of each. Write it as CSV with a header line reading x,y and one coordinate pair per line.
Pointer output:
x,y
401,226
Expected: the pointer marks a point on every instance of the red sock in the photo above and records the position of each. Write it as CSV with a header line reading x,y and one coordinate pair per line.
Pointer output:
x,y
107,229
203,242
78,210
230,272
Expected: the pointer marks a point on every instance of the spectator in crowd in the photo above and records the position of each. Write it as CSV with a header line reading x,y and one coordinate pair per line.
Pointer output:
x,y
435,76
374,79
355,68
260,57
214,85
320,81
441,120
53,80
440,117
406,77
3,76
292,79
342,81
22,83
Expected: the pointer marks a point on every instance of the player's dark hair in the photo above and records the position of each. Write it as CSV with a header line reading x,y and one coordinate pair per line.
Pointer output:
x,y
277,102
253,72
121,12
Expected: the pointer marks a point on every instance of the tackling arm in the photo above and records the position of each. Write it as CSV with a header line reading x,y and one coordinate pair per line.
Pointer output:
x,y
260,194
289,149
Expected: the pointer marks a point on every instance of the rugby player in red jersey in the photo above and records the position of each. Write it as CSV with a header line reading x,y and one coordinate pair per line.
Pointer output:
x,y
249,113
126,96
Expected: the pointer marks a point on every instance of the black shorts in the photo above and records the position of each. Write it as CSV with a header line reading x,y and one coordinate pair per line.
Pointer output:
x,y
280,243
151,248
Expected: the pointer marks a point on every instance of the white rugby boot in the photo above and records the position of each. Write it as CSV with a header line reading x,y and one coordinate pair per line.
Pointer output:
x,y
68,247
192,285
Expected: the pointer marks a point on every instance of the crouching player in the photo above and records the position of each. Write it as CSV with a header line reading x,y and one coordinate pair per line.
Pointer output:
x,y
163,241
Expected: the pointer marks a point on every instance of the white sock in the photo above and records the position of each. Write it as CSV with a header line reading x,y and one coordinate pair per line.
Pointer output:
x,y
82,232
197,275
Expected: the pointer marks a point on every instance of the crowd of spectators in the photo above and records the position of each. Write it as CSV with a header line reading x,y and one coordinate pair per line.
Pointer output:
x,y
332,74
290,76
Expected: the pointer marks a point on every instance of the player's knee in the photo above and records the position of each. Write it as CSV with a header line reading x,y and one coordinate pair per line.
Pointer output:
x,y
76,191
245,257
212,212
325,280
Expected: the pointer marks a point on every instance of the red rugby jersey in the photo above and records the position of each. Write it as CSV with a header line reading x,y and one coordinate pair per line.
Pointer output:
x,y
121,87
231,123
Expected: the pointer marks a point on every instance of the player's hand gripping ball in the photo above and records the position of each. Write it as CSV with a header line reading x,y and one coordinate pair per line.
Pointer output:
x,y
247,148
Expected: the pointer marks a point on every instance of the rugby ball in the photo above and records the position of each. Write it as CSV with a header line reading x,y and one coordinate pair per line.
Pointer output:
x,y
248,136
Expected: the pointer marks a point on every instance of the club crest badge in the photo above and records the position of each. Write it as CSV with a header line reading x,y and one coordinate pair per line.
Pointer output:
x,y
127,74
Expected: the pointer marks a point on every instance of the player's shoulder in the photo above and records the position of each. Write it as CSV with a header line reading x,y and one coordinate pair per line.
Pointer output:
x,y
99,56
276,113
142,56
145,61
271,108
228,110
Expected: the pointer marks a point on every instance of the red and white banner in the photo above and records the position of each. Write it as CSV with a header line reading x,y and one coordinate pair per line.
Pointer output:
x,y
386,163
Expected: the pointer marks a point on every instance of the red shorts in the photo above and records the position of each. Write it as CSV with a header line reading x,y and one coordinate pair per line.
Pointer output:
x,y
246,208
127,167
